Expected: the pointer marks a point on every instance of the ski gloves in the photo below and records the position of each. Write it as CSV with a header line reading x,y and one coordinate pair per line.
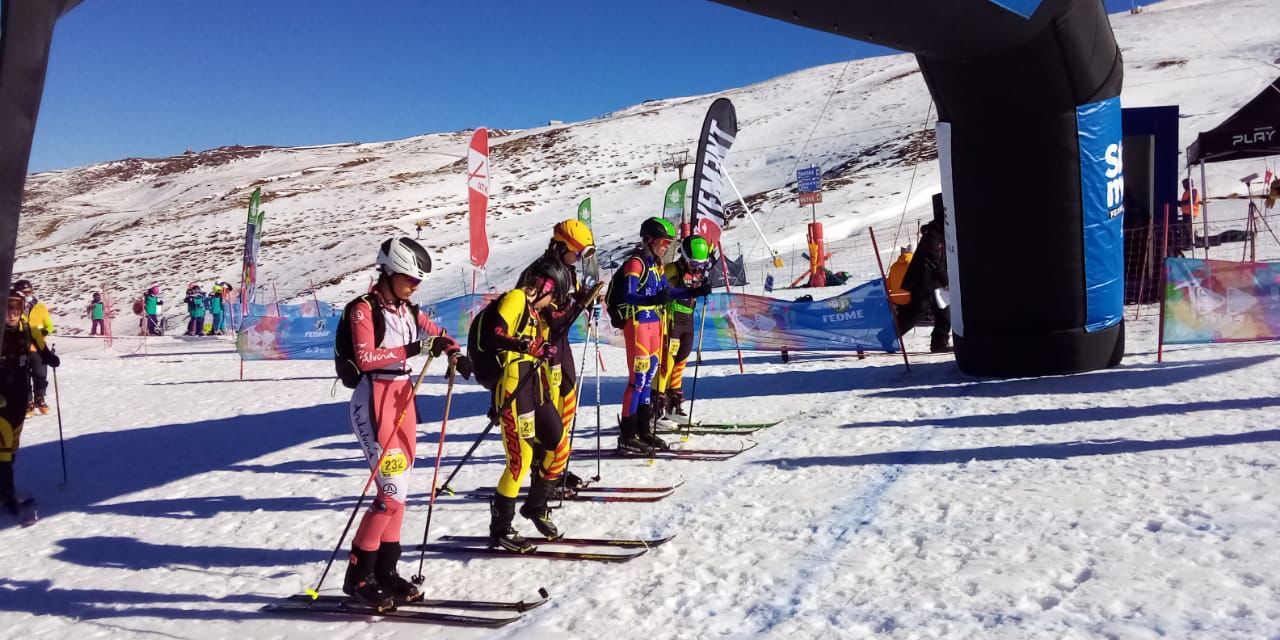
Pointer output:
x,y
435,345
538,348
50,358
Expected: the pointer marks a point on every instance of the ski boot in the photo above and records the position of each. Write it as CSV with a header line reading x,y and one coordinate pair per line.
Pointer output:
x,y
362,584
31,409
385,570
536,510
501,534
675,405
644,429
41,407
628,442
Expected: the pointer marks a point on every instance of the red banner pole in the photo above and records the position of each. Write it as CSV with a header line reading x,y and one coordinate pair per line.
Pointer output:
x,y
884,285
1164,288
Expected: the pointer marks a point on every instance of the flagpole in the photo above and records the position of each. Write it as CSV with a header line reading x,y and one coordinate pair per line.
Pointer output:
x,y
777,259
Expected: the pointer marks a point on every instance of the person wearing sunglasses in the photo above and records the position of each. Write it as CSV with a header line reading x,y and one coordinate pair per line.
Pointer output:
x,y
385,329
644,301
571,243
690,272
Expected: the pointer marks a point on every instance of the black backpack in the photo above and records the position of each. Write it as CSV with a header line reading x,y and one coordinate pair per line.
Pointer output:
x,y
344,347
487,366
613,300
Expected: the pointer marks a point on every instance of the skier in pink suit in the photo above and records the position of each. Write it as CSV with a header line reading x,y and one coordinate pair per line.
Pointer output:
x,y
387,330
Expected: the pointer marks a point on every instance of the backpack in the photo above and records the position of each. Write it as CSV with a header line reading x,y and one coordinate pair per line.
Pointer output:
x,y
614,299
486,364
344,348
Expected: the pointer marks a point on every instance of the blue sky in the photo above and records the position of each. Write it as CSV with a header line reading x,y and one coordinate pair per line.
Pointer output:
x,y
155,77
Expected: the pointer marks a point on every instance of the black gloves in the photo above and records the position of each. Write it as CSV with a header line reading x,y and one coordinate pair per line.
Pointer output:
x,y
50,358
702,290
538,348
463,366
441,344
662,297
435,345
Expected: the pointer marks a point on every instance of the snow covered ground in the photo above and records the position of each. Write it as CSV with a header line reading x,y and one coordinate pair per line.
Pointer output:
x,y
1131,503
1138,502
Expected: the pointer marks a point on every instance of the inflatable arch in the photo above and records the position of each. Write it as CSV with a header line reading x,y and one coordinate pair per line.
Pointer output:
x,y
1029,140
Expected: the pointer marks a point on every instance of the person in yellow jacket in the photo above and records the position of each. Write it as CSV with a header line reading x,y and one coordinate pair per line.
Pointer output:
x,y
16,353
571,242
898,271
532,431
41,324
689,272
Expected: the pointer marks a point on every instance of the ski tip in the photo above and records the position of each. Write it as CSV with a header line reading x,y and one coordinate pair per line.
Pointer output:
x,y
543,593
315,595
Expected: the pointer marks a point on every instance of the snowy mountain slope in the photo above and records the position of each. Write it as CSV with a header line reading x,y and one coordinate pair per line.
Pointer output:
x,y
1137,502
125,224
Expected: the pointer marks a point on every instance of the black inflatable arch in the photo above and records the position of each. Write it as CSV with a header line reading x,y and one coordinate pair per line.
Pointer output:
x,y
1029,142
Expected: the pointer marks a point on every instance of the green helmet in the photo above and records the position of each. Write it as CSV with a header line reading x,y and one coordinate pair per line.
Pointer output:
x,y
696,251
657,228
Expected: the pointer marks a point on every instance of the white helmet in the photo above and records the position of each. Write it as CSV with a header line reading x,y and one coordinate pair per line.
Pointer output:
x,y
403,255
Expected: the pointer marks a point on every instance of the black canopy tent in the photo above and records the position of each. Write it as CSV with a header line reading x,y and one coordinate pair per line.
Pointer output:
x,y
1250,132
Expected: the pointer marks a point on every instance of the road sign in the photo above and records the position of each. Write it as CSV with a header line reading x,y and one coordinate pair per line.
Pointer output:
x,y
810,197
809,179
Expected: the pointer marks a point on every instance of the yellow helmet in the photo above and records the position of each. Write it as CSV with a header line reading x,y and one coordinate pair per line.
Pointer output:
x,y
574,236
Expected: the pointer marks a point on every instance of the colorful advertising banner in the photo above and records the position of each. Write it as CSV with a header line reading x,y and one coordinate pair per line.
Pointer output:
x,y
718,132
1219,301
478,194
1102,210
252,240
673,203
584,211
288,331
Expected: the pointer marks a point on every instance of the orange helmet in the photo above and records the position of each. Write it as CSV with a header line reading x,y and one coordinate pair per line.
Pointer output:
x,y
575,237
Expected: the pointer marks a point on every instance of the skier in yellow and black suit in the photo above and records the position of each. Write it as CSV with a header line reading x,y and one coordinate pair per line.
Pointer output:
x,y
571,241
688,273
19,340
531,427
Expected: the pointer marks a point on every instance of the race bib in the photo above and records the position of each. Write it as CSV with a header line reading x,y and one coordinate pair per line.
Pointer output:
x,y
524,425
675,347
394,464
641,364
557,376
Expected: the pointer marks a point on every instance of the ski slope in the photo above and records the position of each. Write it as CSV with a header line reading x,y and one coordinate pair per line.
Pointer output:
x,y
1138,502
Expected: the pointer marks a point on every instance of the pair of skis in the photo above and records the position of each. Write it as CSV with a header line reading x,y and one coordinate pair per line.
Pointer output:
x,y
425,610
687,455
590,549
594,493
674,427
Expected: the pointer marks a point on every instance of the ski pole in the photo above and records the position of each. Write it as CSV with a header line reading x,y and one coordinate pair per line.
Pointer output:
x,y
493,421
431,504
693,396
315,592
598,421
573,426
57,404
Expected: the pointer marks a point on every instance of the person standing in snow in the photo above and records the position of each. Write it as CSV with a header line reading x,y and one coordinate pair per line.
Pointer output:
x,y
925,275
97,312
386,330
571,242
517,331
647,292
41,324
151,306
689,272
20,342
195,309
215,310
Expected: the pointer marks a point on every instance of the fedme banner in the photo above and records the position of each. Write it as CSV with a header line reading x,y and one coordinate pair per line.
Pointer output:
x,y
288,331
1209,301
857,319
